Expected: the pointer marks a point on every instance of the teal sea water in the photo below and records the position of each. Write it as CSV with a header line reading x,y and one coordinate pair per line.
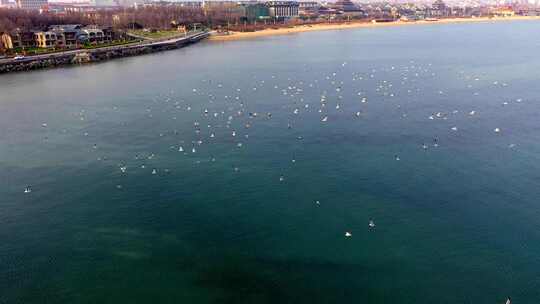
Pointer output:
x,y
456,204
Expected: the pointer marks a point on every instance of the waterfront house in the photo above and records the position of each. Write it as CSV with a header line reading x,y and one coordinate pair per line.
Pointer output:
x,y
109,34
91,36
47,39
23,39
64,36
5,41
68,33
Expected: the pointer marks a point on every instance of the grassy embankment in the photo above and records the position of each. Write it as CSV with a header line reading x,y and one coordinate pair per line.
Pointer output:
x,y
30,51
158,34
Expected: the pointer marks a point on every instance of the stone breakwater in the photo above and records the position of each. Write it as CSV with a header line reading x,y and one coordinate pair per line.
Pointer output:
x,y
95,55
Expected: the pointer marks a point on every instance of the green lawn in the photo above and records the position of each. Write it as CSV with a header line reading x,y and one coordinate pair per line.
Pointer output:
x,y
157,34
114,43
29,51
34,51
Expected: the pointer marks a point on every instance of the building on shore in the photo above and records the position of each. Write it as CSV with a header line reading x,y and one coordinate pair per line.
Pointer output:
x,y
186,4
528,11
345,6
95,35
23,39
66,8
64,37
283,9
68,32
256,11
47,39
439,9
349,9
32,4
503,12
309,8
232,10
5,42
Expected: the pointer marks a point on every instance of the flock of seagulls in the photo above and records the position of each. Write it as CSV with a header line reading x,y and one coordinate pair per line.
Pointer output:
x,y
228,113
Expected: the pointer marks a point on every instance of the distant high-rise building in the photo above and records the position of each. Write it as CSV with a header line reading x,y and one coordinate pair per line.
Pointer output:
x,y
31,4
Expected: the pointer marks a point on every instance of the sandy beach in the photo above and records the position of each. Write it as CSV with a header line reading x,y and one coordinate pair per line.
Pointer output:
x,y
350,25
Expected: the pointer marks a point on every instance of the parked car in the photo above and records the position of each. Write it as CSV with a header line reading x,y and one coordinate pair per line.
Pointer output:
x,y
19,57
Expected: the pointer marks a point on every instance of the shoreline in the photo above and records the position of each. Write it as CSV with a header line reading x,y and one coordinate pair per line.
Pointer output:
x,y
83,56
353,25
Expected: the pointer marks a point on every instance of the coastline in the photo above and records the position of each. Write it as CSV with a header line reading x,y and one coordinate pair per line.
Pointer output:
x,y
84,56
352,25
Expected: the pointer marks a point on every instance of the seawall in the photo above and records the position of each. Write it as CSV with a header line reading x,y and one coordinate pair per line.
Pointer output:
x,y
96,55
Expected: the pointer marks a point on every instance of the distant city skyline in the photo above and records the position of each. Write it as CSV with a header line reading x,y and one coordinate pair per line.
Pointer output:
x,y
453,2
460,3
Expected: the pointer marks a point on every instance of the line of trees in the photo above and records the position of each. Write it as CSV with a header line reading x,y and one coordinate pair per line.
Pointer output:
x,y
156,17
11,19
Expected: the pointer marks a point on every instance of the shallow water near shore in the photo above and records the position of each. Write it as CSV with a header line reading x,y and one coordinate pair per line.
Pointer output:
x,y
456,216
288,30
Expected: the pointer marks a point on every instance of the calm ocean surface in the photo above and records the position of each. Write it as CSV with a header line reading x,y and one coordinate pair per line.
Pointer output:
x,y
117,214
